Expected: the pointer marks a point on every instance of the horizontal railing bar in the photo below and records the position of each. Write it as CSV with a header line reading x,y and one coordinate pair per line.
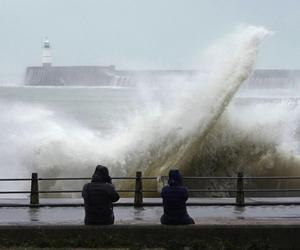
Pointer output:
x,y
59,191
211,190
272,177
15,192
271,190
63,178
89,178
123,178
209,177
154,204
18,179
126,190
81,178
245,177
79,191
123,190
155,191
193,203
65,191
73,178
155,178
245,190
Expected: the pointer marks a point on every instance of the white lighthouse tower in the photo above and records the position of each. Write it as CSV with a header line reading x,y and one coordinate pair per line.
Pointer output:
x,y
46,53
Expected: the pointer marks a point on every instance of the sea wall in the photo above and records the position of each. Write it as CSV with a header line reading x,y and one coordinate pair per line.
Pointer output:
x,y
153,236
109,76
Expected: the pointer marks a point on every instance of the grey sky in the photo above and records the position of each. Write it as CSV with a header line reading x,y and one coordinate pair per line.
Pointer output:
x,y
136,34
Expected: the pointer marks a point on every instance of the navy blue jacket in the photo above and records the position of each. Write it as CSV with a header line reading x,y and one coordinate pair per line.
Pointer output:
x,y
174,201
98,198
174,197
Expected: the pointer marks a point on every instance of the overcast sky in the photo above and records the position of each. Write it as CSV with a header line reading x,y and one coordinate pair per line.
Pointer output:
x,y
136,34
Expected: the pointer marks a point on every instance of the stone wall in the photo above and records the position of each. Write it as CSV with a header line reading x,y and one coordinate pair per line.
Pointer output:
x,y
153,236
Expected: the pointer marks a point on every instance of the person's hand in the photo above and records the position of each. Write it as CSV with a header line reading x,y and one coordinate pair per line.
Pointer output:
x,y
108,179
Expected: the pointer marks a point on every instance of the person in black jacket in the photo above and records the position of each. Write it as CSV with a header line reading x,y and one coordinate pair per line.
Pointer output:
x,y
98,198
174,197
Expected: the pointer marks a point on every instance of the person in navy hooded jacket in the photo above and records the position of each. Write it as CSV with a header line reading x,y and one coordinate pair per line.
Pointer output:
x,y
174,197
98,197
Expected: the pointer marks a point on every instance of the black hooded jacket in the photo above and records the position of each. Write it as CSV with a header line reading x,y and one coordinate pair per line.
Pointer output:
x,y
98,198
174,198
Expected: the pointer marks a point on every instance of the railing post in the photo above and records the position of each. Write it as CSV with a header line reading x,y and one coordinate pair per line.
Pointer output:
x,y
240,196
138,195
34,195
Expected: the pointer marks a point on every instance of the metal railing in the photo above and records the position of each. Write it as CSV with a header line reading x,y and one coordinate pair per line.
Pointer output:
x,y
239,192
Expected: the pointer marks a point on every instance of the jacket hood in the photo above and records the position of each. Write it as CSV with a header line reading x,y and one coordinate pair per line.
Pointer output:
x,y
101,174
175,178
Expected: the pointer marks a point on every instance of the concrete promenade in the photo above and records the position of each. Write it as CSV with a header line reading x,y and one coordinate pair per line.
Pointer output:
x,y
217,227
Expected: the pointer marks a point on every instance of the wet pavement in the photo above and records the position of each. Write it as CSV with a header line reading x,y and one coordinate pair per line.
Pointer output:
x,y
220,214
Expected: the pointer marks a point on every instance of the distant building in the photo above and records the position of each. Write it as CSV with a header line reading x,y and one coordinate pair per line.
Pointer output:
x,y
46,53
48,75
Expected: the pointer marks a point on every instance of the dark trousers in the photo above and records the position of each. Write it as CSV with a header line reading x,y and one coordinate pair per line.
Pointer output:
x,y
186,220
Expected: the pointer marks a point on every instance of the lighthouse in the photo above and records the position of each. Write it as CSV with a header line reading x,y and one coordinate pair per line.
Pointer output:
x,y
46,53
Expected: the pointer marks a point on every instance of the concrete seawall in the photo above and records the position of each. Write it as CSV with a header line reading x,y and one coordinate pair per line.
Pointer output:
x,y
218,236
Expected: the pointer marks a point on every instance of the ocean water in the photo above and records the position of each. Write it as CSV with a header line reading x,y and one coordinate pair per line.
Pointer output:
x,y
43,129
98,108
